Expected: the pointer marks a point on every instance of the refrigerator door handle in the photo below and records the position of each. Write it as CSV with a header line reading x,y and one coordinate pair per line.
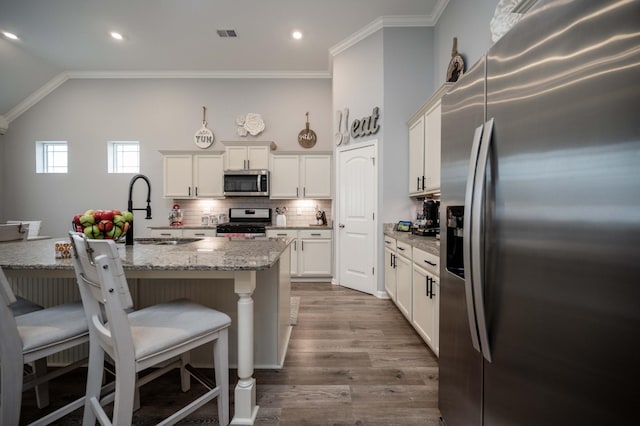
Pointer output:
x,y
468,202
477,218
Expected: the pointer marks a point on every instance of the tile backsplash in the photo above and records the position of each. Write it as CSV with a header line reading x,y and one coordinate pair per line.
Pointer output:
x,y
299,212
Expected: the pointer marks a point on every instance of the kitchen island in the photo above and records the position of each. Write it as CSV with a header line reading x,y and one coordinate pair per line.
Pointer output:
x,y
208,270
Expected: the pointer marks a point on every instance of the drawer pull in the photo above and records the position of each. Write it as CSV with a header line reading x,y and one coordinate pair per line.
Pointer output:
x,y
281,235
401,248
430,263
200,234
316,234
165,234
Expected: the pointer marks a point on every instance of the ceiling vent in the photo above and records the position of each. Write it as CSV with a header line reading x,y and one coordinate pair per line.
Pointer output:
x,y
227,33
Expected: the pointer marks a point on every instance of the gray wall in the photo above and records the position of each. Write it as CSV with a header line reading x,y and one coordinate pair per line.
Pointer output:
x,y
162,115
469,21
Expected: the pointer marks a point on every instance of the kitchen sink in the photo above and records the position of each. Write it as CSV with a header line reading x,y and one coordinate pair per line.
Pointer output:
x,y
165,241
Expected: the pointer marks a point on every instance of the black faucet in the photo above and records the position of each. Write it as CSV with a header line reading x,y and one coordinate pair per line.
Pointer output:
x,y
129,236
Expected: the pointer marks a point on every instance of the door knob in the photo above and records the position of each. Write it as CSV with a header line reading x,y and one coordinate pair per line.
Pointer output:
x,y
341,225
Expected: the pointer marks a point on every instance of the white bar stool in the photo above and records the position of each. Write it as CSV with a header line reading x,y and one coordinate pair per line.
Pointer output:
x,y
139,339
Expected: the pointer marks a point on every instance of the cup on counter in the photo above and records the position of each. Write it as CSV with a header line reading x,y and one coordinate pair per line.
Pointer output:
x,y
62,249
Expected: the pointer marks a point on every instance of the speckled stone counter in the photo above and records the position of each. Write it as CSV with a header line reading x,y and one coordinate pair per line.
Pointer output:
x,y
428,244
208,254
210,271
267,227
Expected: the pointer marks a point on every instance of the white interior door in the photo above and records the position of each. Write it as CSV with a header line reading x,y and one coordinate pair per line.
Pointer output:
x,y
357,198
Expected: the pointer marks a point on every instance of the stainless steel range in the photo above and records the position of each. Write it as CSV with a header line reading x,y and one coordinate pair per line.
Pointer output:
x,y
245,223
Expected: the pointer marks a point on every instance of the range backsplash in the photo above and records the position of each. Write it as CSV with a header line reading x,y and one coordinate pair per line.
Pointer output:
x,y
193,210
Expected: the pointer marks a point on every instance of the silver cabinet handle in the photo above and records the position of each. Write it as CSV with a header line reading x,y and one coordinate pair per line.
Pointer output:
x,y
468,272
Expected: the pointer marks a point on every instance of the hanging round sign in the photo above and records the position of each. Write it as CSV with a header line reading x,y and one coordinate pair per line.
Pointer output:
x,y
307,137
204,137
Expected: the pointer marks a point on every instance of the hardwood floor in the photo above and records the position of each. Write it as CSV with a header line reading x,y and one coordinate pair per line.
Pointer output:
x,y
353,359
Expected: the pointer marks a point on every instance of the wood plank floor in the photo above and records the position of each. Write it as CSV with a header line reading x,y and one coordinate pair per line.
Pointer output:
x,y
353,359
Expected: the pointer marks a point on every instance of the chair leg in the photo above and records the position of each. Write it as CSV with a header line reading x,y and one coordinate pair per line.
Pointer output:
x,y
94,382
185,377
221,365
42,390
125,392
10,392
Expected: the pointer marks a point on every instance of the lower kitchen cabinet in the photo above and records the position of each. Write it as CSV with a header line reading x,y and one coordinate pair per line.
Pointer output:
x,y
182,233
311,252
426,297
403,279
390,267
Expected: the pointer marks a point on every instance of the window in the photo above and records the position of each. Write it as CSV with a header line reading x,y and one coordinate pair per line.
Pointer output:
x,y
51,157
123,157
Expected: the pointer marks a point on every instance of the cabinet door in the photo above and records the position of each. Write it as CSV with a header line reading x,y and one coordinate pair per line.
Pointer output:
x,y
432,148
258,157
208,175
315,256
166,233
236,157
288,233
416,156
316,176
390,273
178,176
284,177
436,316
198,233
403,285
423,304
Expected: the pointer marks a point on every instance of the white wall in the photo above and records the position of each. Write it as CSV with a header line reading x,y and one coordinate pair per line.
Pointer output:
x,y
162,115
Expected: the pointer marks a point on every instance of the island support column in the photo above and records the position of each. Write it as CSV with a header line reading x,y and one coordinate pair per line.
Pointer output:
x,y
245,407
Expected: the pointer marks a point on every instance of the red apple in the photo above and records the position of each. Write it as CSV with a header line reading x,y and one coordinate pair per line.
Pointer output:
x,y
116,212
97,215
107,215
105,225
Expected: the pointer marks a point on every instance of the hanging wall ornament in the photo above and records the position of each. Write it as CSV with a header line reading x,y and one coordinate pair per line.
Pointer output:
x,y
204,137
307,137
456,65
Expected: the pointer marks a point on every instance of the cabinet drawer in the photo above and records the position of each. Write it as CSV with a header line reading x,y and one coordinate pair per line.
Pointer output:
x,y
319,233
404,249
427,261
390,243
166,233
282,233
198,233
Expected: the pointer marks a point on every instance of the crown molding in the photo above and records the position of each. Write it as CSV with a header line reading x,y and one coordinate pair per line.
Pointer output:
x,y
36,96
388,22
197,74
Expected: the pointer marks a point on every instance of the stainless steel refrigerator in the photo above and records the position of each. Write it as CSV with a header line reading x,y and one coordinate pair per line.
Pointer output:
x,y
540,224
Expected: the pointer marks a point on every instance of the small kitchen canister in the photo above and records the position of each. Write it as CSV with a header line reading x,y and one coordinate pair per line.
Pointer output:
x,y
63,250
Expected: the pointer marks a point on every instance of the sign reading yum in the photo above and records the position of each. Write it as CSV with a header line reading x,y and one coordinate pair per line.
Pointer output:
x,y
367,125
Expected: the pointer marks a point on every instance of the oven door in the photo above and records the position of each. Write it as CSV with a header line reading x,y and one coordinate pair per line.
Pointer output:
x,y
246,183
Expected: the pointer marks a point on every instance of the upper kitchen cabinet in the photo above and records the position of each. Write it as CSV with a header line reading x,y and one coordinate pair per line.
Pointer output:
x,y
193,176
424,145
247,155
301,176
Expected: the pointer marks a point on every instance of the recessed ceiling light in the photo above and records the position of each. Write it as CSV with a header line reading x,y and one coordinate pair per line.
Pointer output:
x,y
116,35
10,35
296,35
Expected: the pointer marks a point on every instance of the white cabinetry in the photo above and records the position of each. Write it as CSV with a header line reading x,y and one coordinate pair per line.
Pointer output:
x,y
403,279
247,157
424,145
311,251
426,297
192,176
390,267
182,233
300,176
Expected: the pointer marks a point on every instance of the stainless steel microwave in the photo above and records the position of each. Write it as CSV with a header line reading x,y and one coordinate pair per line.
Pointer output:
x,y
246,183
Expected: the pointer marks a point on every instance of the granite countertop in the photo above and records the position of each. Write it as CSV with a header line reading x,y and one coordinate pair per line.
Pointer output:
x,y
207,254
429,244
213,227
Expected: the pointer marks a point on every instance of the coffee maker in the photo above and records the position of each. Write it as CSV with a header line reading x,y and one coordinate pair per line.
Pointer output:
x,y
431,212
